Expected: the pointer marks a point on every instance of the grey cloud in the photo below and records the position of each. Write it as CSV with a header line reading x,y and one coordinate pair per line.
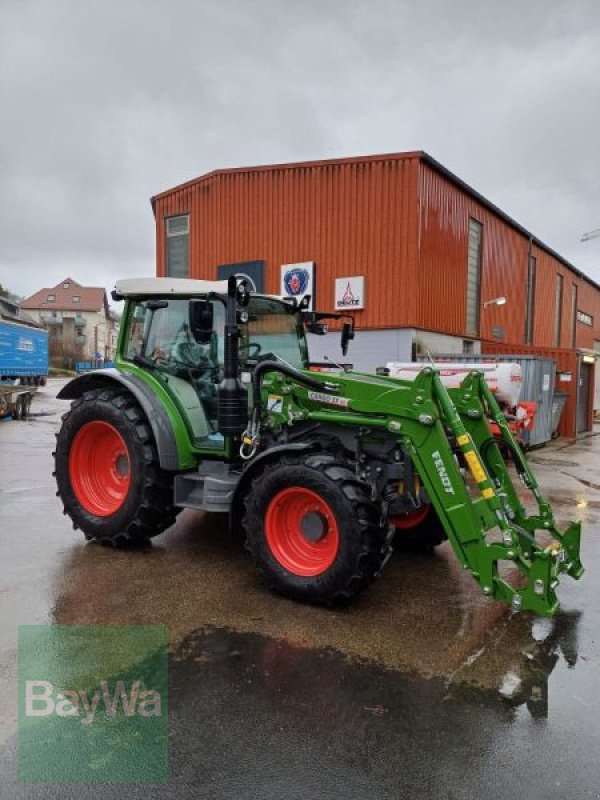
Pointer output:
x,y
106,103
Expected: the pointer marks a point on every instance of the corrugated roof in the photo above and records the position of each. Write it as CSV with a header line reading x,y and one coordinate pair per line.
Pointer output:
x,y
420,154
91,298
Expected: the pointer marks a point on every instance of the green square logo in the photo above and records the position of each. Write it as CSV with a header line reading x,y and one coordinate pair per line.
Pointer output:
x,y
93,703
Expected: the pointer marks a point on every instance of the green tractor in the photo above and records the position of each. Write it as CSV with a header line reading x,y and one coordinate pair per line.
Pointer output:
x,y
213,405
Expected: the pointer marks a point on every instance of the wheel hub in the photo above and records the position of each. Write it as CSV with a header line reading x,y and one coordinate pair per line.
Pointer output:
x,y
302,532
99,468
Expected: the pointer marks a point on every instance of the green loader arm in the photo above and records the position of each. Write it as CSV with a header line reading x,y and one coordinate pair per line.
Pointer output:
x,y
498,506
446,431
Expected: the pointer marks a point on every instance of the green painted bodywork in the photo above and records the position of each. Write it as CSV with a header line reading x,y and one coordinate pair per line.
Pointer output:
x,y
444,431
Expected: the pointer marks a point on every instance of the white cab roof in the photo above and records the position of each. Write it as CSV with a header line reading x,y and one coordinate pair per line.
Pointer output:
x,y
143,287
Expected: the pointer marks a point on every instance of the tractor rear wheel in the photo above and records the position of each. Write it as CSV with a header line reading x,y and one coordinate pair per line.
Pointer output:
x,y
107,470
420,529
313,530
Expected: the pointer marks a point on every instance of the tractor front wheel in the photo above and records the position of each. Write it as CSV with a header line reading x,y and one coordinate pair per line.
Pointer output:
x,y
420,529
107,470
313,530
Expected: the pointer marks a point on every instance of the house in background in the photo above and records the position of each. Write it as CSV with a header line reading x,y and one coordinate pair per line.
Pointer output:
x,y
80,323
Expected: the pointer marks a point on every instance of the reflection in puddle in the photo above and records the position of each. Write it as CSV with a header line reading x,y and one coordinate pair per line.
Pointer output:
x,y
522,655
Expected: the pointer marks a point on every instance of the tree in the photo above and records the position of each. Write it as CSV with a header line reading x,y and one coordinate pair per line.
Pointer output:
x,y
3,292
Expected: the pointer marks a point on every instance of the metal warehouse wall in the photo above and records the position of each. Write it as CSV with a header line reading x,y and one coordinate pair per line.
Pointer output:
x,y
444,212
444,237
352,217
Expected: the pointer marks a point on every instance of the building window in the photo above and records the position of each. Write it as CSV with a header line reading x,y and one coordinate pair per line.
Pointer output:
x,y
474,276
50,298
66,285
530,307
177,235
76,298
468,346
558,309
574,315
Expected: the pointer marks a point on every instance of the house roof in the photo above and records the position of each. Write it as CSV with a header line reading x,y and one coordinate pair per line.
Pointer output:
x,y
418,154
91,298
11,312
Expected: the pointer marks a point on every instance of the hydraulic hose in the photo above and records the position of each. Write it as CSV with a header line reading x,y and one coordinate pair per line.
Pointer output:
x,y
285,369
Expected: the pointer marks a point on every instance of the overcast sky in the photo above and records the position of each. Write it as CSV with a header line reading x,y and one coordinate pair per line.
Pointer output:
x,y
105,103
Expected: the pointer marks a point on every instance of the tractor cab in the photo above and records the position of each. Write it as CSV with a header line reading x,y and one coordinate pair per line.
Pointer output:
x,y
174,331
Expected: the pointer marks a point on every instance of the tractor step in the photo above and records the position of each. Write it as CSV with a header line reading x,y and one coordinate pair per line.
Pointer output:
x,y
210,488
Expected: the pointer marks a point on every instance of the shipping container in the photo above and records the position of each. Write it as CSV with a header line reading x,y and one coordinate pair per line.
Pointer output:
x,y
23,351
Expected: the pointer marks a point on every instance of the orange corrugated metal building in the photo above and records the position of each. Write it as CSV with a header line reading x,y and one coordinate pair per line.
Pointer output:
x,y
430,250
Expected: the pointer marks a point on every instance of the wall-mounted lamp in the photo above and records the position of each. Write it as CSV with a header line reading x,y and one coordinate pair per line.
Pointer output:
x,y
497,301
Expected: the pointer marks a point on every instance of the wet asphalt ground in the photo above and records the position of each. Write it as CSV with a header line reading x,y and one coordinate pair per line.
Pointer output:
x,y
422,688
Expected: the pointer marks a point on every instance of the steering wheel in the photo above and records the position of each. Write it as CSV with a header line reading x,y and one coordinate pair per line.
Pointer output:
x,y
258,348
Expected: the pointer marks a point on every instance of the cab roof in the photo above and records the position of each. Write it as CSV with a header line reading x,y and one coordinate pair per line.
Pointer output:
x,y
146,287
182,287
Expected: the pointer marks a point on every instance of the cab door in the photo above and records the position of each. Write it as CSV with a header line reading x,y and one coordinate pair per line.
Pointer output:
x,y
160,340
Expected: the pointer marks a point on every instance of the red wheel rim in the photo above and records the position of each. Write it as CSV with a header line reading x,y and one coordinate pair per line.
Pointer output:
x,y
411,519
99,468
302,532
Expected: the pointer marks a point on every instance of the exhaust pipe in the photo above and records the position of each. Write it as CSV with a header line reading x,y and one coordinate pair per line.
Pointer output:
x,y
232,396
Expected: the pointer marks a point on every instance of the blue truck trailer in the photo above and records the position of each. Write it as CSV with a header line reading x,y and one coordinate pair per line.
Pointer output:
x,y
23,353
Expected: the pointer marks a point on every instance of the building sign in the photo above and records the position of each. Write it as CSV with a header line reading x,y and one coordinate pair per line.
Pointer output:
x,y
349,293
298,280
584,318
250,271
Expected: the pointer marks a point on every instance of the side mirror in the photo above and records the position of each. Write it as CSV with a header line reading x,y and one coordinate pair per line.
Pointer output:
x,y
347,336
201,320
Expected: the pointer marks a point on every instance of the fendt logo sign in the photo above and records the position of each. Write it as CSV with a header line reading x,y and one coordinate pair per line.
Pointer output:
x,y
350,293
442,472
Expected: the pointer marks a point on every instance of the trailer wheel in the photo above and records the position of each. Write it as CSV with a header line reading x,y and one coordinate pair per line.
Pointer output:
x,y
107,470
418,530
313,530
19,410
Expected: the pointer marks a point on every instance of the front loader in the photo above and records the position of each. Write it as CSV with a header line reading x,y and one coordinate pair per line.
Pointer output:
x,y
213,405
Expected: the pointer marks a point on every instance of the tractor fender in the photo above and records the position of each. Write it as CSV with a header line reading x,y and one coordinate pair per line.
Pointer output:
x,y
154,410
254,467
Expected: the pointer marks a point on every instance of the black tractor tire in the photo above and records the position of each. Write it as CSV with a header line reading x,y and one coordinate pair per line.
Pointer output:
x,y
145,506
427,534
345,507
19,410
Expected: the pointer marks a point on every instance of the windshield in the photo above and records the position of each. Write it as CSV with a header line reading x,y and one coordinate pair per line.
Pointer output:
x,y
274,329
